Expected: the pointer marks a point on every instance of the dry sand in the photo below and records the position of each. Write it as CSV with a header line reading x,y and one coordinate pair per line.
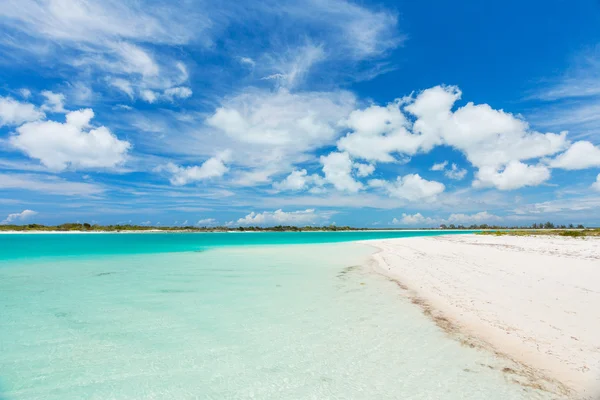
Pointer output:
x,y
534,300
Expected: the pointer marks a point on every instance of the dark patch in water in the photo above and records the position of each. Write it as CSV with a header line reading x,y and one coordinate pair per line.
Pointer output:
x,y
347,270
61,314
105,273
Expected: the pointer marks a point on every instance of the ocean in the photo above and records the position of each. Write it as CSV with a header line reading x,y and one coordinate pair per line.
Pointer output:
x,y
223,316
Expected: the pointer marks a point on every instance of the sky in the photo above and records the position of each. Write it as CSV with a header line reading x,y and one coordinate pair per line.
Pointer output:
x,y
369,114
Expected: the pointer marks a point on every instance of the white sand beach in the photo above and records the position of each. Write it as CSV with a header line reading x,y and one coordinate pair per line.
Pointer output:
x,y
534,300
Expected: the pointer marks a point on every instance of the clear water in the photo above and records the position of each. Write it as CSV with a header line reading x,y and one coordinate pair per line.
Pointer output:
x,y
231,322
29,246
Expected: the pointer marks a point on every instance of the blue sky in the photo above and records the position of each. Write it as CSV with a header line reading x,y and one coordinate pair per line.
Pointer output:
x,y
373,114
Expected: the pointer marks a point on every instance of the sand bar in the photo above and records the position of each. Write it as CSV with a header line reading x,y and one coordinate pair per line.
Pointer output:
x,y
535,300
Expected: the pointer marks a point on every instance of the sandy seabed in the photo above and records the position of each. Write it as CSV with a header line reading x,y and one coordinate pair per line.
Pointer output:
x,y
534,300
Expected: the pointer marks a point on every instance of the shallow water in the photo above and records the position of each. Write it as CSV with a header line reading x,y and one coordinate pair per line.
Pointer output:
x,y
264,322
31,245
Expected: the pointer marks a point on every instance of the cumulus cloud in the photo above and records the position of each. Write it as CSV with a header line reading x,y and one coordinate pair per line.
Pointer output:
x,y
456,173
302,121
214,167
74,143
410,187
413,220
337,168
13,112
377,133
461,219
596,185
490,139
363,170
580,155
55,102
280,217
299,180
478,218
515,175
16,217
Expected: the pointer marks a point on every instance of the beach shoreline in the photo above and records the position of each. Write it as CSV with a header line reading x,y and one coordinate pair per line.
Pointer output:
x,y
526,299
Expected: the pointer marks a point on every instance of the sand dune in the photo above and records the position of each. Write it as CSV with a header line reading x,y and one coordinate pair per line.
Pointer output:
x,y
535,300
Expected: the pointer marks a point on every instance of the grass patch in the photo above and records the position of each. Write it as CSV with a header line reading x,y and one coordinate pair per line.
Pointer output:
x,y
543,232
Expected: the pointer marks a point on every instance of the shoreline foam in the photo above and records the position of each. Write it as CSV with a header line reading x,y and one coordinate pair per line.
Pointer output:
x,y
527,299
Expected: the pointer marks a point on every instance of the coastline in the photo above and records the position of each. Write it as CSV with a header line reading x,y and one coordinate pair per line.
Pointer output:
x,y
223,231
526,299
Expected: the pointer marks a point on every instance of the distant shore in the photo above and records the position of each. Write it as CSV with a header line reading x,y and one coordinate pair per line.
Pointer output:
x,y
529,299
218,231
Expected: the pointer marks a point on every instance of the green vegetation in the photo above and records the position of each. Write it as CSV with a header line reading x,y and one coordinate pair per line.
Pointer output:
x,y
544,232
536,229
85,227
547,225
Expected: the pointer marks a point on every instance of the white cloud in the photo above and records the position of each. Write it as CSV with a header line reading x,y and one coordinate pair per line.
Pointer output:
x,y
514,176
455,172
48,184
413,220
22,216
149,95
299,180
439,166
280,217
55,102
214,167
73,143
363,170
580,155
282,118
486,136
337,168
379,132
13,112
95,21
134,60
355,32
490,139
292,67
478,218
582,79
206,222
247,61
410,187
25,93
271,131
122,84
596,185
181,92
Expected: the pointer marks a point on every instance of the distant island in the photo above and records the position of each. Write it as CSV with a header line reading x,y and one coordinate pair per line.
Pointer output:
x,y
86,227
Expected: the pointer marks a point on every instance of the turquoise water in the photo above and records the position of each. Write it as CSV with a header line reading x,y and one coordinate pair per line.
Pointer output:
x,y
309,321
14,246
